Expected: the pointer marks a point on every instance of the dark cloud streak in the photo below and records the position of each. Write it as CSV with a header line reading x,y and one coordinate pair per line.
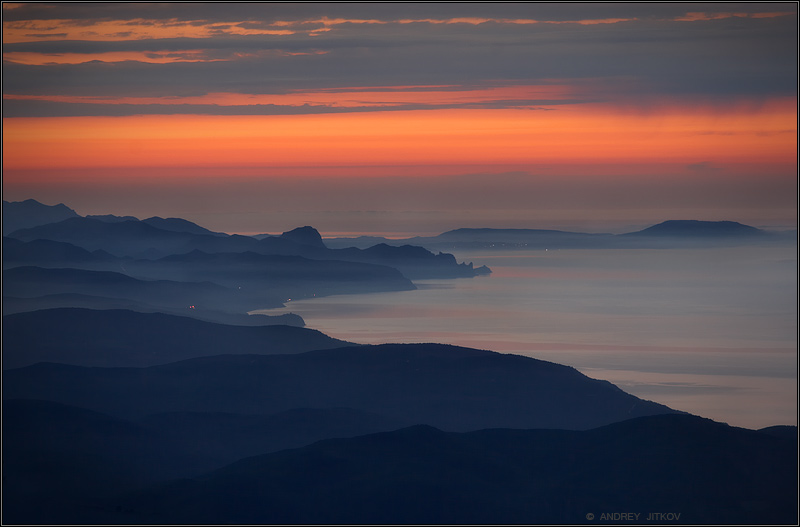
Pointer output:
x,y
30,108
726,58
274,11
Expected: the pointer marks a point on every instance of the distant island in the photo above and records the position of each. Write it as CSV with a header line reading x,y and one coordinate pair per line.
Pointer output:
x,y
701,229
670,233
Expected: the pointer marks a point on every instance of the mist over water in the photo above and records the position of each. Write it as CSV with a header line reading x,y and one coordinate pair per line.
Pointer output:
x,y
709,331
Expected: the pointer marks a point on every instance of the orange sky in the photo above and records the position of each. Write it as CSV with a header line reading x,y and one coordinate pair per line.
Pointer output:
x,y
562,134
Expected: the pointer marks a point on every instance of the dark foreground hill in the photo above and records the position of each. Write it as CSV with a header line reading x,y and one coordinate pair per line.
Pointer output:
x,y
53,454
691,470
222,438
58,458
113,338
448,387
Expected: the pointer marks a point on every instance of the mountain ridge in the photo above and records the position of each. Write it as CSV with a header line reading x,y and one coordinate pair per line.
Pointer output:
x,y
147,240
123,338
449,387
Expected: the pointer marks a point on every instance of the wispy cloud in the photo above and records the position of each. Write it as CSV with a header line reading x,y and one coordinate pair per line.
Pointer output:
x,y
695,16
351,97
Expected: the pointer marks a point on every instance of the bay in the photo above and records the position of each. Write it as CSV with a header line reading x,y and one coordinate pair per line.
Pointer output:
x,y
709,331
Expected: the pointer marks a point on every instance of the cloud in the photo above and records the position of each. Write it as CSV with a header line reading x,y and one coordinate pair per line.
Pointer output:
x,y
273,12
36,108
643,50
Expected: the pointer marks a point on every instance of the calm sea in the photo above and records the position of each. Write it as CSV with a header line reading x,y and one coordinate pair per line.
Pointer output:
x,y
709,331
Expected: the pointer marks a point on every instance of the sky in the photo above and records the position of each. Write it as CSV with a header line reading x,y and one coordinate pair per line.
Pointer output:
x,y
404,118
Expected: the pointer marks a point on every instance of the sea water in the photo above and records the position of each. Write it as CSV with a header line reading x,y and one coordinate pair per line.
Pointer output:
x,y
711,331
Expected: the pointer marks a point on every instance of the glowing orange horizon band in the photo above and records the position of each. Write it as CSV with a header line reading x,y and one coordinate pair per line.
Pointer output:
x,y
570,134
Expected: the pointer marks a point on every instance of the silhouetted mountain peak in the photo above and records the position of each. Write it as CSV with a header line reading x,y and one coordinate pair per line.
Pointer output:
x,y
32,204
179,225
698,228
30,213
305,235
86,227
111,218
786,431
